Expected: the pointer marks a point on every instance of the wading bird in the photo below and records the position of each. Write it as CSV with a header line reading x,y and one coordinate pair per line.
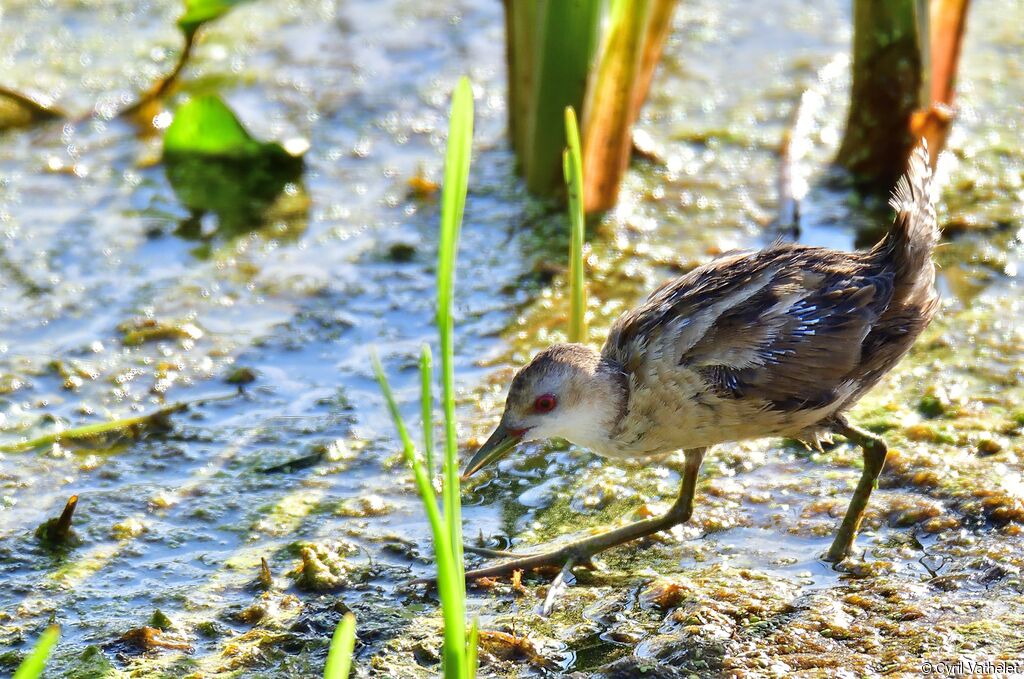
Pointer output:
x,y
778,342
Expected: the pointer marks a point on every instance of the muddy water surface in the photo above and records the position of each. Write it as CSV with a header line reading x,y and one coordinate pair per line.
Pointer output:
x,y
300,467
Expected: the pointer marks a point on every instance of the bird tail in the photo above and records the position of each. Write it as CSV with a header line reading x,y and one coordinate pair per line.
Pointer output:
x,y
907,248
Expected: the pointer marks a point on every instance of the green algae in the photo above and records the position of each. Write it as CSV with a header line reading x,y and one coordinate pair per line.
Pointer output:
x,y
328,567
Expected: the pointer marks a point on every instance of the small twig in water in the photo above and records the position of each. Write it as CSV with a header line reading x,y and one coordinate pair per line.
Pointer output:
x,y
62,529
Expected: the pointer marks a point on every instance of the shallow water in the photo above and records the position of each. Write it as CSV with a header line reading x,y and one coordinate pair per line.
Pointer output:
x,y
94,236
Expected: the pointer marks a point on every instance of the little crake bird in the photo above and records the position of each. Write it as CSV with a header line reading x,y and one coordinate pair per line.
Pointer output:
x,y
778,342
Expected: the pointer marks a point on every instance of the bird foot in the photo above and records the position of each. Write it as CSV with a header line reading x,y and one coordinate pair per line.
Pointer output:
x,y
553,561
573,555
491,553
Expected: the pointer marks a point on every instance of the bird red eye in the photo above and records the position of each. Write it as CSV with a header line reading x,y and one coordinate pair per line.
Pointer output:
x,y
545,403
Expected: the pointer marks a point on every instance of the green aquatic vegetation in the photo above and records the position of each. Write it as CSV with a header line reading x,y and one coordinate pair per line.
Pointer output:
x,y
199,12
339,658
572,168
427,407
459,654
103,435
205,126
550,55
327,567
32,667
134,333
215,165
450,577
453,203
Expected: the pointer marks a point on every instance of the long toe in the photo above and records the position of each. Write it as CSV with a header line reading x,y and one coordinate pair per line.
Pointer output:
x,y
491,553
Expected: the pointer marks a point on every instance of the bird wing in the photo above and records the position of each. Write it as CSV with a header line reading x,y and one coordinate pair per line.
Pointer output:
x,y
784,325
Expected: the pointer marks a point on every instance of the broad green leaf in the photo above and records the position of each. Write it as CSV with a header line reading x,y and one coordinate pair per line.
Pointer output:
x,y
205,125
215,165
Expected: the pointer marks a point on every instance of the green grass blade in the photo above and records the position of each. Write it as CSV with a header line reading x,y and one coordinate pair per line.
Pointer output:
x,y
453,202
427,408
472,646
572,168
339,658
450,578
32,667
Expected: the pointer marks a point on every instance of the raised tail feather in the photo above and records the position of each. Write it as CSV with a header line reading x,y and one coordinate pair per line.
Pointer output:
x,y
907,248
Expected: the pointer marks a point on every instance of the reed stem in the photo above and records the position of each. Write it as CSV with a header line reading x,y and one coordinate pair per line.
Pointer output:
x,y
886,91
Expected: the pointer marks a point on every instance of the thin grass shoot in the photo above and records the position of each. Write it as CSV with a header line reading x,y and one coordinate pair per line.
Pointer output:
x,y
32,667
453,203
572,168
449,576
339,657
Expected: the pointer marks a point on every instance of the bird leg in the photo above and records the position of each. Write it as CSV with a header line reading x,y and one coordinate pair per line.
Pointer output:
x,y
580,551
875,451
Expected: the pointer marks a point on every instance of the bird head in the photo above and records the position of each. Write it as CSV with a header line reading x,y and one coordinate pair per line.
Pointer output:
x,y
567,391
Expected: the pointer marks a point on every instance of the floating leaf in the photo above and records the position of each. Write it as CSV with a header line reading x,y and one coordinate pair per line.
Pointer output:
x,y
206,126
215,165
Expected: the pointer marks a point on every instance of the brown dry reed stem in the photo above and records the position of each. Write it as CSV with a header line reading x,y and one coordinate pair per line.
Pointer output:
x,y
609,106
947,24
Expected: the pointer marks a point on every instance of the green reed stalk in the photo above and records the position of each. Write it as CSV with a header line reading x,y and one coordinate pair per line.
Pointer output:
x,y
572,169
460,654
32,667
453,203
427,407
472,646
339,657
450,576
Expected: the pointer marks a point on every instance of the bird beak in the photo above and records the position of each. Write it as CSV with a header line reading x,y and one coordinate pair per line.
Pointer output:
x,y
501,442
